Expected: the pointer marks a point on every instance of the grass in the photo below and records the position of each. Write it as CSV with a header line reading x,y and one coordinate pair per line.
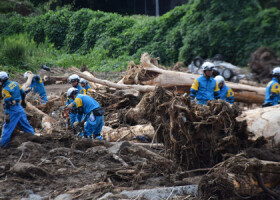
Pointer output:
x,y
18,53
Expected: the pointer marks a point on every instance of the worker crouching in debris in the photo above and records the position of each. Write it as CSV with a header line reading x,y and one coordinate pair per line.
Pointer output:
x,y
14,101
91,111
225,92
86,86
37,86
205,87
74,80
273,89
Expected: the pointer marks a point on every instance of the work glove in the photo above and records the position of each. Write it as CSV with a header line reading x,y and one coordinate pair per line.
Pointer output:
x,y
70,106
23,104
76,124
7,118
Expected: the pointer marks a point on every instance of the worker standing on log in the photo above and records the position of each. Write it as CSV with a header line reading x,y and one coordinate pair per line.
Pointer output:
x,y
37,86
14,101
86,86
74,80
273,89
225,92
205,87
91,111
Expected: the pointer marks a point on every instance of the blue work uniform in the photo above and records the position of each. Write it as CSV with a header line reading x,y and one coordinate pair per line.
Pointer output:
x,y
12,92
88,90
272,92
72,115
86,105
37,86
204,89
227,94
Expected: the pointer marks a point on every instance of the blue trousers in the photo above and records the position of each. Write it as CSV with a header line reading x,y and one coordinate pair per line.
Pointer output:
x,y
44,99
17,117
93,128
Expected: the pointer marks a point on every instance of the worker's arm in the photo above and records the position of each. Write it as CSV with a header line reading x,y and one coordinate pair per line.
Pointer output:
x,y
274,93
230,96
217,91
194,89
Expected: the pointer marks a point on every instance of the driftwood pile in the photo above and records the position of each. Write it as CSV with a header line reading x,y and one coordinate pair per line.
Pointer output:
x,y
172,143
195,136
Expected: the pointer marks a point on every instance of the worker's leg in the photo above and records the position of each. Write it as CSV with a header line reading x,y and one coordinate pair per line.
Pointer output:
x,y
8,128
24,124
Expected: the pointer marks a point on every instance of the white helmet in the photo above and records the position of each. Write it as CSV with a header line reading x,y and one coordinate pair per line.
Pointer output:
x,y
207,66
276,71
73,78
3,77
26,74
219,79
72,91
82,80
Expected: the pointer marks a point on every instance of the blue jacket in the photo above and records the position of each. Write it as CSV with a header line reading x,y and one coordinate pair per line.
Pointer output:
x,y
227,94
37,86
11,91
272,92
204,89
86,102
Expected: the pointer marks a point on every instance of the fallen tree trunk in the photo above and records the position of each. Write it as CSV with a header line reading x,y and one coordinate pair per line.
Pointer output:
x,y
147,76
263,122
141,88
238,177
28,82
47,121
54,79
127,133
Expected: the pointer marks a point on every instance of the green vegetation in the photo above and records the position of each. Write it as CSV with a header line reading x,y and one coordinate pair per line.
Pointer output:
x,y
108,41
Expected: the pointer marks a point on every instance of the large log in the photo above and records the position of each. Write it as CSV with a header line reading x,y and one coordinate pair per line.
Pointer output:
x,y
141,88
127,133
263,122
147,76
47,121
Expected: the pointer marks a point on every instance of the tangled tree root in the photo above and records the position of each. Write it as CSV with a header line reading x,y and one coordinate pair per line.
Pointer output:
x,y
194,135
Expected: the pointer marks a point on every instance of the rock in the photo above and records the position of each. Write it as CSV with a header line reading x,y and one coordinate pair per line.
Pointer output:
x,y
106,196
118,146
64,197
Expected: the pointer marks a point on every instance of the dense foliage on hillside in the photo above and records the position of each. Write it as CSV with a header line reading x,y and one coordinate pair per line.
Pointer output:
x,y
200,28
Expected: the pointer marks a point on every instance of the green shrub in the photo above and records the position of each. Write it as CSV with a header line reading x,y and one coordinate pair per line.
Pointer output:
x,y
12,52
11,24
97,26
78,24
57,26
35,26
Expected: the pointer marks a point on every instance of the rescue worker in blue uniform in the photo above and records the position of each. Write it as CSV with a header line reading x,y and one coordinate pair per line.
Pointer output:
x,y
273,89
14,101
37,86
205,87
74,80
86,86
226,93
91,111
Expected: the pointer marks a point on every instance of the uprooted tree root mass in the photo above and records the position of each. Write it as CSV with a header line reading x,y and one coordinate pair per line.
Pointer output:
x,y
195,136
